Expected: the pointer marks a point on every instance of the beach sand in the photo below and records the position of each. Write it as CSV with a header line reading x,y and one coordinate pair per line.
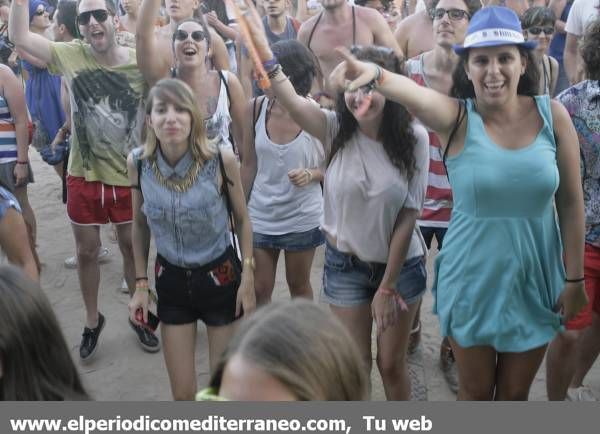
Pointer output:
x,y
122,371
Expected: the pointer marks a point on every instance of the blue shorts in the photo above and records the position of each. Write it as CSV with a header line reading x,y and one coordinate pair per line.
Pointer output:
x,y
348,281
292,242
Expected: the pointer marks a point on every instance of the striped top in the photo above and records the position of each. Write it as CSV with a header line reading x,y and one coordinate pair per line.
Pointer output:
x,y
438,199
8,135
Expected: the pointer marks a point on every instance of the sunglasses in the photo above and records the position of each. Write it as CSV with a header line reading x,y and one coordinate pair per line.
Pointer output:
x,y
100,15
41,10
182,35
536,30
453,14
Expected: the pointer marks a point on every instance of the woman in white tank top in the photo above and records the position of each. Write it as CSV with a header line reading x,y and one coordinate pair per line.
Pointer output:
x,y
281,179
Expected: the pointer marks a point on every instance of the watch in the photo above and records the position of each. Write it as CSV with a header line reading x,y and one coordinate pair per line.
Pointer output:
x,y
250,263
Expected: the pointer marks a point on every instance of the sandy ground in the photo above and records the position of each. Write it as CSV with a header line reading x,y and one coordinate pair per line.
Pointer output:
x,y
121,370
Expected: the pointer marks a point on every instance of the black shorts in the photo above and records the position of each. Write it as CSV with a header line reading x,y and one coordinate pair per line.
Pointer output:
x,y
207,293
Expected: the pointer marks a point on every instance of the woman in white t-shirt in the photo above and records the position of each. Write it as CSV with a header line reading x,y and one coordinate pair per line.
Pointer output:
x,y
281,178
375,183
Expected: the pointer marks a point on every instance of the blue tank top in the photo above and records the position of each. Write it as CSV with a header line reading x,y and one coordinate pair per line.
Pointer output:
x,y
190,228
501,272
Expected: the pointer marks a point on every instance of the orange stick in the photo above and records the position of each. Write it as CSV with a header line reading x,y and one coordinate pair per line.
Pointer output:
x,y
263,78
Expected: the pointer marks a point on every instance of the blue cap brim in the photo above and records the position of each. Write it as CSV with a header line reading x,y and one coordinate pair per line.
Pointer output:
x,y
459,49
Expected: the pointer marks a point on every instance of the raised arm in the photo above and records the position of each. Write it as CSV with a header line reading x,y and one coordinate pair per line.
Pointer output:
x,y
152,64
434,109
237,109
304,112
402,33
220,55
19,34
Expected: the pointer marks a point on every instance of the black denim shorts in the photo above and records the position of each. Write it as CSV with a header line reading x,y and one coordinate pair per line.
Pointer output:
x,y
207,293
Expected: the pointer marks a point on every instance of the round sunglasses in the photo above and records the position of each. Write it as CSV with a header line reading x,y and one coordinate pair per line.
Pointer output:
x,y
453,14
536,30
100,15
182,35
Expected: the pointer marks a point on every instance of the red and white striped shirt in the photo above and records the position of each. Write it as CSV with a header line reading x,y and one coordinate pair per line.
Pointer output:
x,y
438,198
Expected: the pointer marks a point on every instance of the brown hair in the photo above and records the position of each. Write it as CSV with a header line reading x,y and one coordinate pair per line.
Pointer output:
x,y
175,91
36,361
304,347
589,47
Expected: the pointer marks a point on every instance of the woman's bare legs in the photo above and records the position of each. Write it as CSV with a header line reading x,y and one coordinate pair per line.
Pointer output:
x,y
179,348
297,272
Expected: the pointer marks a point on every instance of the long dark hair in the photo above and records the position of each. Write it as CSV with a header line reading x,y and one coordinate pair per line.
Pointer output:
x,y
36,361
528,85
395,132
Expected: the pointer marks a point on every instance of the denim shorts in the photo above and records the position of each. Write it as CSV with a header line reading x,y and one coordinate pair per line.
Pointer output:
x,y
292,242
206,293
348,281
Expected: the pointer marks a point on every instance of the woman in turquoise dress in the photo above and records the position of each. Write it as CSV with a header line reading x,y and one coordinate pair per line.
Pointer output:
x,y
511,271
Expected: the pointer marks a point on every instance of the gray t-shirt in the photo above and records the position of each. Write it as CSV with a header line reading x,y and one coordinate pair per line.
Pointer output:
x,y
364,192
288,33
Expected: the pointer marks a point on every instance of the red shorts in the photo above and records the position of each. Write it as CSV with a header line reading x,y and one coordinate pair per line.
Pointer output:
x,y
591,266
95,203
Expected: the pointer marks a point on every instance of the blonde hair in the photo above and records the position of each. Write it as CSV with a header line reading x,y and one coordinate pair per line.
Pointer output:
x,y
175,91
305,348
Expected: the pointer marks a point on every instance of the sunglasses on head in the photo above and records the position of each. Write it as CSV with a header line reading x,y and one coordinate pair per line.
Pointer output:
x,y
41,10
453,14
100,15
536,30
182,35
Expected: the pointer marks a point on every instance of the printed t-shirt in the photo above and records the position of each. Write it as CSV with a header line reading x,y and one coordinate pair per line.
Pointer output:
x,y
106,118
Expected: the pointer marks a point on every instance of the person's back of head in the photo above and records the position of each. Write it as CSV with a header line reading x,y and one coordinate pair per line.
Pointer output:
x,y
589,47
35,362
304,348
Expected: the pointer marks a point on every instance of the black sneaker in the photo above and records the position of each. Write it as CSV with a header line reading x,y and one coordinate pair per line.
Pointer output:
x,y
89,341
148,340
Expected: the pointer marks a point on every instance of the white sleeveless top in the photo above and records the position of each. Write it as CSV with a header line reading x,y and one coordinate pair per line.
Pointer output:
x,y
277,206
218,123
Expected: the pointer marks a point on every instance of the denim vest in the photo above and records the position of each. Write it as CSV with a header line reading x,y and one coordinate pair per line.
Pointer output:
x,y
190,229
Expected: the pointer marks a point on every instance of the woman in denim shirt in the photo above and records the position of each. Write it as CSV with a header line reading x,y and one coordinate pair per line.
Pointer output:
x,y
179,198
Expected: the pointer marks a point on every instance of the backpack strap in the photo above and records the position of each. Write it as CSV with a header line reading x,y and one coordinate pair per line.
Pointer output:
x,y
225,191
255,115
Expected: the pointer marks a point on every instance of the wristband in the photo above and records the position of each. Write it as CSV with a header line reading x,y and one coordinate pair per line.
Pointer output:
x,y
582,279
270,64
137,279
273,72
379,77
22,162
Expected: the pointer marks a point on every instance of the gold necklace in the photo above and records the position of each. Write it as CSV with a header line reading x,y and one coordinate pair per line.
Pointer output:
x,y
179,185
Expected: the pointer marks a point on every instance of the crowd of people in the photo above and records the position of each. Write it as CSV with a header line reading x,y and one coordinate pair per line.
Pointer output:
x,y
377,130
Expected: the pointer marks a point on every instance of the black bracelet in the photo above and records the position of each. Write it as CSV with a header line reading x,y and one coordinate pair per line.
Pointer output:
x,y
575,280
272,73
137,279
